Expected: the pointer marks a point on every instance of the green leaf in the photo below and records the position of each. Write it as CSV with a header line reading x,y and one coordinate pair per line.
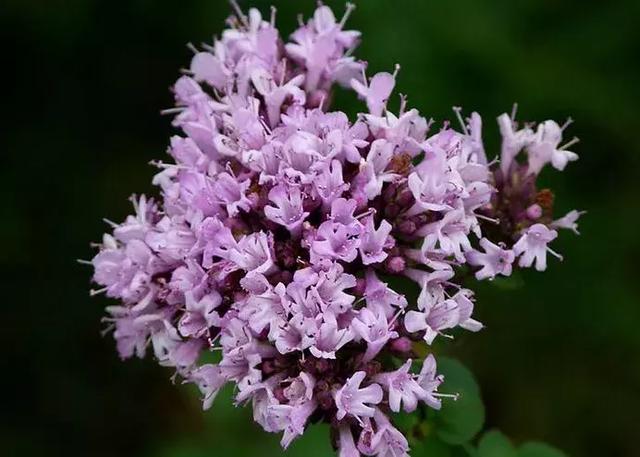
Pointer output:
x,y
495,444
435,447
431,446
406,424
535,449
459,421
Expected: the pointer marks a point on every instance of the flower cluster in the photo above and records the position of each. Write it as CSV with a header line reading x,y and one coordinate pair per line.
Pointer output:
x,y
281,223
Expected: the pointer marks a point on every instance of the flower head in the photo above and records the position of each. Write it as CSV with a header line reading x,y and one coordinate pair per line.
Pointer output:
x,y
284,228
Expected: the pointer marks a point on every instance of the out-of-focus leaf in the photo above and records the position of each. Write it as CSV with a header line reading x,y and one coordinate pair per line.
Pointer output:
x,y
435,447
535,449
495,444
466,450
406,423
431,446
459,421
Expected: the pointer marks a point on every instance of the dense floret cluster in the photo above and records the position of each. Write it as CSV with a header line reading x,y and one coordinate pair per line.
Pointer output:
x,y
281,225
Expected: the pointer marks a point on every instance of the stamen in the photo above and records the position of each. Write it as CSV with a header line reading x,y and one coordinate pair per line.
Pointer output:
x,y
369,212
321,102
265,126
567,123
395,317
227,167
284,72
160,164
104,332
192,48
514,111
349,9
186,71
458,111
396,70
208,47
175,110
94,292
488,219
272,20
555,254
239,13
573,141
360,300
84,262
455,396
212,341
403,104
111,223
430,122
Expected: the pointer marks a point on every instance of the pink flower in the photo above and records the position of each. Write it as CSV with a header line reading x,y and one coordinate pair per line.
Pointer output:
x,y
429,380
200,314
353,400
373,328
532,245
569,221
288,210
374,241
494,261
402,387
377,92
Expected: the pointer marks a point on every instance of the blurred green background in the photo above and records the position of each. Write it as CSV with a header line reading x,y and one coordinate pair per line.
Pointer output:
x,y
559,360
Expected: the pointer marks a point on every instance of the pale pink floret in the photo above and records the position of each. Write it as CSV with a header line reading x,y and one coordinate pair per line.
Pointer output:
x,y
355,401
532,246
